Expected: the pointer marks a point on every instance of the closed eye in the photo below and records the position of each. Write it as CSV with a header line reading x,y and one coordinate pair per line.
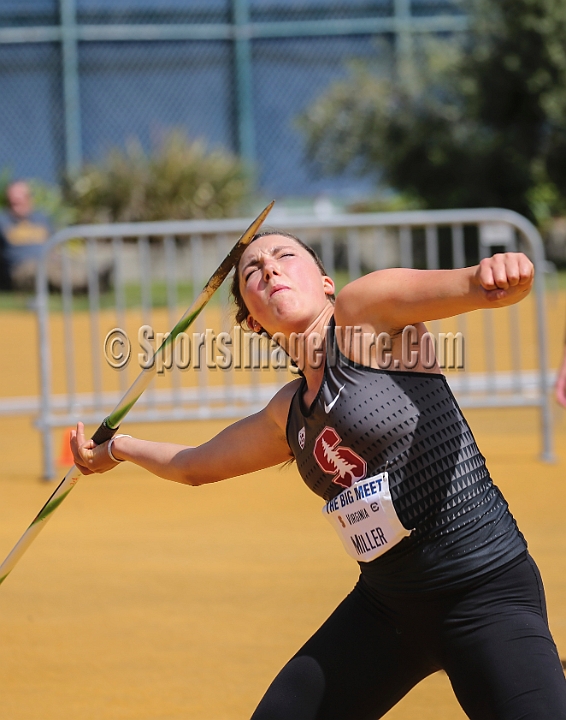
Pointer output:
x,y
249,274
251,269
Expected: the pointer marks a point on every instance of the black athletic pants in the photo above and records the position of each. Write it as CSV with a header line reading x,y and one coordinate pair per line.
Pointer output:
x,y
492,640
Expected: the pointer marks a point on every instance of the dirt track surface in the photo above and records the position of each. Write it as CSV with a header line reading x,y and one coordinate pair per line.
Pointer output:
x,y
145,600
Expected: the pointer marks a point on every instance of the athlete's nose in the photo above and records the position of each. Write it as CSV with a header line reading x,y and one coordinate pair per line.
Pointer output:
x,y
270,268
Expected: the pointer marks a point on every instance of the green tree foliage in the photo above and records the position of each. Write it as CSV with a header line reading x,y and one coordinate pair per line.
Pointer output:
x,y
181,179
5,176
472,121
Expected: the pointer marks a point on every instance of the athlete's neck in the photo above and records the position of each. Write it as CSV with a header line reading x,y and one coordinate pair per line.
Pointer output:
x,y
309,352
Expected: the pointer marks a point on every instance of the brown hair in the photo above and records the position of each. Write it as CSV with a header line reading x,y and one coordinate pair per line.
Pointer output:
x,y
242,311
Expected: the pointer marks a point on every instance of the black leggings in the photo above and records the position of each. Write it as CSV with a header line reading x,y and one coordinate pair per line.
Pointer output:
x,y
492,640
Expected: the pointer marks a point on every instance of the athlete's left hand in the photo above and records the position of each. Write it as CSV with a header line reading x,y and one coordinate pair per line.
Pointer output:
x,y
505,278
89,457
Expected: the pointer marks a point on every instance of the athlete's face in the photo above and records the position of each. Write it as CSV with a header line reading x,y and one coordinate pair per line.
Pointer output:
x,y
19,199
281,285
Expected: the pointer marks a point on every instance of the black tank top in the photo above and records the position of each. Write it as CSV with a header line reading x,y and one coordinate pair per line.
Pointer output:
x,y
364,421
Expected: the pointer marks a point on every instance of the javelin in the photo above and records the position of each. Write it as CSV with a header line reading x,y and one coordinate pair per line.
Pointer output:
x,y
109,426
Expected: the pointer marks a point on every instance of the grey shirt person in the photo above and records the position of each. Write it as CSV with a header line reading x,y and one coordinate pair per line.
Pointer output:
x,y
23,230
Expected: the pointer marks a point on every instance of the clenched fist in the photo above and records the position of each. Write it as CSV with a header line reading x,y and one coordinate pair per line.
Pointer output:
x,y
505,278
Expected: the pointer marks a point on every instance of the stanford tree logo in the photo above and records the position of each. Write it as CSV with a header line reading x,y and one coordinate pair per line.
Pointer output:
x,y
342,462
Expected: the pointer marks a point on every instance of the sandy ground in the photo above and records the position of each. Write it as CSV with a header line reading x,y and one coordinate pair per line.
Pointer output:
x,y
145,600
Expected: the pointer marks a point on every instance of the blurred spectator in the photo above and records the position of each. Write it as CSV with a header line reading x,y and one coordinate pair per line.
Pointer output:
x,y
22,233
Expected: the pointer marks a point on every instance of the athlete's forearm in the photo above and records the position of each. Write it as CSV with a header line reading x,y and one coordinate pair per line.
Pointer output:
x,y
166,460
169,461
245,446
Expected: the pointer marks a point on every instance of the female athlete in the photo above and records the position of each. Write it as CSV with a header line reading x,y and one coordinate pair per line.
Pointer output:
x,y
446,580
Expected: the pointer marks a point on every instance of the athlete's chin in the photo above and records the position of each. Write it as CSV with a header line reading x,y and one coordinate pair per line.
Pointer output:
x,y
289,322
286,307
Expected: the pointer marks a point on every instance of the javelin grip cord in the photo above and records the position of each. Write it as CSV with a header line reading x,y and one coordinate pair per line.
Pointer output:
x,y
104,432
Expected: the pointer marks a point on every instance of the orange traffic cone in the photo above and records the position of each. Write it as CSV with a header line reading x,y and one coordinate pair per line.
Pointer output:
x,y
66,457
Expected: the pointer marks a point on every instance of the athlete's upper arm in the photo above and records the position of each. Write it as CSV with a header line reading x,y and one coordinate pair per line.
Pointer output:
x,y
397,297
251,444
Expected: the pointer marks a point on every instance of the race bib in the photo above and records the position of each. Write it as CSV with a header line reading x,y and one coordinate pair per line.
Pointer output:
x,y
365,519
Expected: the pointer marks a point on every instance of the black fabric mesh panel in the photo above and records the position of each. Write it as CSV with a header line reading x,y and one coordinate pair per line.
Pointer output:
x,y
273,10
149,11
144,90
31,111
289,74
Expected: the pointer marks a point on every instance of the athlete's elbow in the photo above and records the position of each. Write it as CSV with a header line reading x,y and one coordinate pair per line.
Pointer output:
x,y
196,478
190,480
184,468
189,476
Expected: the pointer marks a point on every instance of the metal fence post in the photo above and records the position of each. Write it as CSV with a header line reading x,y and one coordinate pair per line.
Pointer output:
x,y
45,425
71,96
243,72
546,411
403,39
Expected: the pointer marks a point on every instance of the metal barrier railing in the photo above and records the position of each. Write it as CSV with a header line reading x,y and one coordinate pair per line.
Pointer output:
x,y
141,274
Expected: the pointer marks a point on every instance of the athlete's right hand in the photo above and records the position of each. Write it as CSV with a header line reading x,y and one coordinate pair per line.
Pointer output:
x,y
89,457
505,278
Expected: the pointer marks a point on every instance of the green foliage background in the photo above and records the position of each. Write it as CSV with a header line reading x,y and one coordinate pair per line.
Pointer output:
x,y
179,179
471,121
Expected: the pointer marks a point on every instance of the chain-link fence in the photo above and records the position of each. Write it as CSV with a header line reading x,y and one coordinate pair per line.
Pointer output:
x,y
78,77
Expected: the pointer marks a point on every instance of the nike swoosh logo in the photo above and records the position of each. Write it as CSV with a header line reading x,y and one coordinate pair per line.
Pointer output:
x,y
332,403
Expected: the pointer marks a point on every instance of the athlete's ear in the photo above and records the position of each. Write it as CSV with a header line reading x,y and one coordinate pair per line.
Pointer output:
x,y
328,284
254,325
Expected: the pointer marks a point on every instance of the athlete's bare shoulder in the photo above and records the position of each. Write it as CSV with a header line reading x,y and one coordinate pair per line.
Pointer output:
x,y
278,406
